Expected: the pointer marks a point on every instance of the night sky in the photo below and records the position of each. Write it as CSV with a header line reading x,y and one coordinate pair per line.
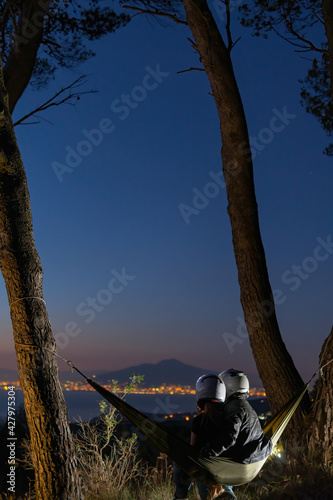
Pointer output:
x,y
130,211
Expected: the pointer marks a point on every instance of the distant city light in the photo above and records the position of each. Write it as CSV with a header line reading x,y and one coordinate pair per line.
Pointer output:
x,y
81,385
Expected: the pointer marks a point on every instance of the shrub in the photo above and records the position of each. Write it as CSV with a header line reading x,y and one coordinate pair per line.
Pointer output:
x,y
107,462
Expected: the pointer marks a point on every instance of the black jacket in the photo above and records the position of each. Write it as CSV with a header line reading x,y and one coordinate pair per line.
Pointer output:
x,y
237,434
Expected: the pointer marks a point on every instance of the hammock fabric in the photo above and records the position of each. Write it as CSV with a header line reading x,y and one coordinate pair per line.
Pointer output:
x,y
213,470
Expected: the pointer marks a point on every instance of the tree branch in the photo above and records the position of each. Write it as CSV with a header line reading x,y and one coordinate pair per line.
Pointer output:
x,y
328,19
55,101
227,26
4,18
12,15
156,12
306,45
190,69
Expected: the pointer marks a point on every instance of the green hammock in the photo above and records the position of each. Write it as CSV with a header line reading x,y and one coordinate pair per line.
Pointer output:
x,y
213,470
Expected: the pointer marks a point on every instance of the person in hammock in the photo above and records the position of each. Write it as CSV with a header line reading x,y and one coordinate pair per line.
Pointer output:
x,y
210,394
227,426
241,437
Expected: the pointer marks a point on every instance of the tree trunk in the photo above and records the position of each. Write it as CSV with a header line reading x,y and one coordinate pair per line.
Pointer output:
x,y
275,366
327,6
21,59
321,417
51,442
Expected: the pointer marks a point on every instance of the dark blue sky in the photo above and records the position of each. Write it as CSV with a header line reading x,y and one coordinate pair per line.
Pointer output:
x,y
128,277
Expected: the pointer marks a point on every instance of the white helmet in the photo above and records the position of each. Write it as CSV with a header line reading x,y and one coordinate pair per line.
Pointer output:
x,y
236,382
210,387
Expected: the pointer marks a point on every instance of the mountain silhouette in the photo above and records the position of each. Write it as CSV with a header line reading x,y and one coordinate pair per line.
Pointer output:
x,y
166,372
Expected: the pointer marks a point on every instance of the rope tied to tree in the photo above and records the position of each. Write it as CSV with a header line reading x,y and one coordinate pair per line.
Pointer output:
x,y
321,370
24,298
71,365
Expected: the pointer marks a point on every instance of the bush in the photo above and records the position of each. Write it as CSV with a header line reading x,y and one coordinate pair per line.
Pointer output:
x,y
107,462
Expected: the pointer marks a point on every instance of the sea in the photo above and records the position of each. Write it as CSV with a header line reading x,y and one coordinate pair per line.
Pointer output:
x,y
84,405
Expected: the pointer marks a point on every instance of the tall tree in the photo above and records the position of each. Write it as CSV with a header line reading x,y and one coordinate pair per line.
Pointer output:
x,y
37,37
51,443
293,21
320,424
275,365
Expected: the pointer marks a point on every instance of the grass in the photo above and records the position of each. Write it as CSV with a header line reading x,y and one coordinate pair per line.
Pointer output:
x,y
290,480
279,480
286,481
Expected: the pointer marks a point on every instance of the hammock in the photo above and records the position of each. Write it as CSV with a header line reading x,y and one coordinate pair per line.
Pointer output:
x,y
213,470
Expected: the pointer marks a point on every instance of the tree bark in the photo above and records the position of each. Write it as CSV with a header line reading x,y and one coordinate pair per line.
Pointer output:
x,y
327,6
51,442
22,55
275,366
321,417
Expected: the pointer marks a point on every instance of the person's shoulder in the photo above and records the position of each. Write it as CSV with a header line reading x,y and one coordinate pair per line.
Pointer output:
x,y
237,405
230,407
198,423
247,409
247,405
198,417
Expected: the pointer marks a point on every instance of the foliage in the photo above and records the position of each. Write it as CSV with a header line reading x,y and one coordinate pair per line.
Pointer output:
x,y
288,17
298,23
67,28
316,97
